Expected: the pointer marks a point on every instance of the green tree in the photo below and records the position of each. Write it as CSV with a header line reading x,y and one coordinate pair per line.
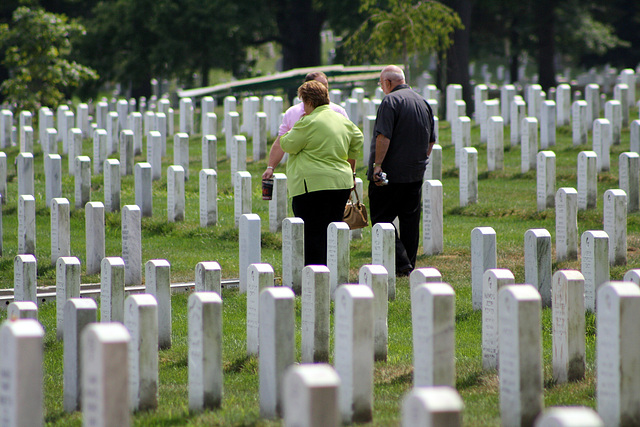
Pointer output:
x,y
37,49
403,29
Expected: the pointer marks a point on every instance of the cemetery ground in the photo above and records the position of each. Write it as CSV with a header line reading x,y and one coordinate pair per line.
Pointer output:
x,y
506,202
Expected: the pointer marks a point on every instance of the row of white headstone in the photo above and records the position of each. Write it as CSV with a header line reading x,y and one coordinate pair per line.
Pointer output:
x,y
511,315
600,249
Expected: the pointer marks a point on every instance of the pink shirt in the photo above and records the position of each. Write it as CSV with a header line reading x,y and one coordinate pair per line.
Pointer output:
x,y
293,114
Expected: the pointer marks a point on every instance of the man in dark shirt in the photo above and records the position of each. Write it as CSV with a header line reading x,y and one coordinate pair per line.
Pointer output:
x,y
402,140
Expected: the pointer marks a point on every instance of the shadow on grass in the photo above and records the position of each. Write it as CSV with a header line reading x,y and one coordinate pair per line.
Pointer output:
x,y
240,364
472,379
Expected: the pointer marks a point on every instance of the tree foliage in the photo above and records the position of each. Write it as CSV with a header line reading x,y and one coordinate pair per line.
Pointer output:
x,y
402,29
38,48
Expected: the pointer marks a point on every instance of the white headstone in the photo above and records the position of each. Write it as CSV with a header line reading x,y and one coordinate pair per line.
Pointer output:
x,y
495,143
259,277
141,320
259,136
205,351
105,372
22,310
548,124
209,152
568,326
546,180
241,195
483,257
434,166
126,152
529,144
602,139
24,278
383,252
376,278
595,264
617,342
468,176
634,136
311,396
175,193
563,101
135,120
569,416
53,177
158,283
21,373
278,202
629,179
209,124
615,225
292,253
132,244
518,114
78,313
592,98
208,277
432,217
520,355
566,224
432,407
112,185
461,135
181,152
433,319
99,151
579,122
277,347
113,133
26,224
353,352
249,246
112,290
316,299
208,187
587,180
186,115
24,166
95,237
144,188
338,254
82,181
493,280
68,272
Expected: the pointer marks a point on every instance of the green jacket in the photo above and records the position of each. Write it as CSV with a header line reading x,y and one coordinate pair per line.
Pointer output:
x,y
319,145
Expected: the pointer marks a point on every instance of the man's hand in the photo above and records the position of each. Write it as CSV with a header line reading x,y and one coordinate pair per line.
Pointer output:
x,y
377,170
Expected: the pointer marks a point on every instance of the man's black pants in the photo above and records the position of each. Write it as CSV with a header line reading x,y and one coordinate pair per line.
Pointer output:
x,y
403,201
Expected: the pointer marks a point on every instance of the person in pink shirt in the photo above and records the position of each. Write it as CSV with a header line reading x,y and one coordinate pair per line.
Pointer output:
x,y
291,116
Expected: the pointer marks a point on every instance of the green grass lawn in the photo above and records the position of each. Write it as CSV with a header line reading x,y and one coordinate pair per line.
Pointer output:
x,y
506,202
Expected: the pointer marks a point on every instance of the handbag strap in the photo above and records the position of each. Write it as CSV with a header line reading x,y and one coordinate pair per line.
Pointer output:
x,y
353,190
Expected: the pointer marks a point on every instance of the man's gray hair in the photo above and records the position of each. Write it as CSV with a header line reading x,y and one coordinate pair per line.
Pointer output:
x,y
393,73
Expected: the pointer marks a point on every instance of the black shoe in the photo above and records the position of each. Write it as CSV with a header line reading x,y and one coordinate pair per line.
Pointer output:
x,y
404,272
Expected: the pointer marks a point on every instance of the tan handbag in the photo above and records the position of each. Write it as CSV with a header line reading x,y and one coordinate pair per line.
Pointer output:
x,y
355,214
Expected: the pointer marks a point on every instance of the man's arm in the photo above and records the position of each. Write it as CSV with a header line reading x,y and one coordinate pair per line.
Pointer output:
x,y
382,145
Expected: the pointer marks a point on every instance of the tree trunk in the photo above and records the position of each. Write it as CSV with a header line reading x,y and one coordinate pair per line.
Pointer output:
x,y
299,26
546,44
458,55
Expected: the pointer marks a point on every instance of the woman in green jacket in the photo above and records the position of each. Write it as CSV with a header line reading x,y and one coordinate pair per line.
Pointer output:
x,y
322,148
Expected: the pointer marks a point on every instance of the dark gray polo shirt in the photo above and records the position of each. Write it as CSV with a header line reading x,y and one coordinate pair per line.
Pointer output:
x,y
404,117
